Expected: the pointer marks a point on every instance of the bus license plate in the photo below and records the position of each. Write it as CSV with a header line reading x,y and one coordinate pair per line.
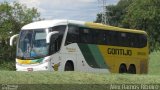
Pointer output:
x,y
30,69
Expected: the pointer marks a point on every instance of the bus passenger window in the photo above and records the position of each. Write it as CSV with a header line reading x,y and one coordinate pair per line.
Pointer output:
x,y
85,35
54,44
56,40
72,35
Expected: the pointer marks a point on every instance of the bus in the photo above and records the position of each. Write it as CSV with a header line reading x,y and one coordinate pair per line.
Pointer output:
x,y
70,45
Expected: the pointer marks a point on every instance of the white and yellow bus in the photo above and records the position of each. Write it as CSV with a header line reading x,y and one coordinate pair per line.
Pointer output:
x,y
69,45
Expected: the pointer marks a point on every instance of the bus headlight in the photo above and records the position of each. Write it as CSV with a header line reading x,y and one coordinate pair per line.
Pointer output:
x,y
46,59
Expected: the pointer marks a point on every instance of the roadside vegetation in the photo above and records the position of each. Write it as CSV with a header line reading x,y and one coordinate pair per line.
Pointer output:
x,y
137,14
13,77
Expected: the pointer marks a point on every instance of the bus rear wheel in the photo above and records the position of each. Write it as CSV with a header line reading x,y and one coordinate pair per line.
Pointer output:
x,y
122,68
132,69
69,66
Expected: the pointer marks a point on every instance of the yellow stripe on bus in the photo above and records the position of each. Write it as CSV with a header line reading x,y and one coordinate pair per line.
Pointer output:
x,y
107,27
23,61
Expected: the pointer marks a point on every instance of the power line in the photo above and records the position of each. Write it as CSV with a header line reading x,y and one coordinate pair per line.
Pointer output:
x,y
104,11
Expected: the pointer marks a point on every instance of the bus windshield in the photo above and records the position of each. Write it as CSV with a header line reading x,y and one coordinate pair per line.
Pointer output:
x,y
32,44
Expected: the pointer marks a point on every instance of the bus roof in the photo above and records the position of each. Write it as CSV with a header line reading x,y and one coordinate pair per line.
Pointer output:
x,y
51,23
108,27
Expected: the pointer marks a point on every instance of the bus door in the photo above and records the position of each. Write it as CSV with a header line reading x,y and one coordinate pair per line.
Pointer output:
x,y
54,48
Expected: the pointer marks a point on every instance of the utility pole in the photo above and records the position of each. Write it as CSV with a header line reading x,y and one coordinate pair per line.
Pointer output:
x,y
104,11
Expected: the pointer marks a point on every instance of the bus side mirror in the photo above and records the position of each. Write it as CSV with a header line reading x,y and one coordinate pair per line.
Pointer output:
x,y
12,39
48,37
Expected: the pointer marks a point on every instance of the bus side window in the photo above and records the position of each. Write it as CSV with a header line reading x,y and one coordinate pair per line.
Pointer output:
x,y
72,35
56,40
85,35
142,40
99,37
54,44
108,38
113,38
61,29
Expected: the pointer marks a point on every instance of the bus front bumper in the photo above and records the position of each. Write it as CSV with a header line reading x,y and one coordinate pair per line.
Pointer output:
x,y
32,67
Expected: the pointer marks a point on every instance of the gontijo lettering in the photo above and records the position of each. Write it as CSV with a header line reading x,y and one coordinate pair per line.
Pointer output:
x,y
115,51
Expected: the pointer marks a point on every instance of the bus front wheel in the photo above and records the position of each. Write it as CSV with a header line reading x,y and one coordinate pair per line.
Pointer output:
x,y
122,68
69,66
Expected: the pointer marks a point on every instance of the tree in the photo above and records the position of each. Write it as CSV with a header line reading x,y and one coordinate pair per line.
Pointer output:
x,y
145,15
12,18
115,13
137,14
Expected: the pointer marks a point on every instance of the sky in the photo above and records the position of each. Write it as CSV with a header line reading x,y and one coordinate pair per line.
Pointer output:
x,y
83,10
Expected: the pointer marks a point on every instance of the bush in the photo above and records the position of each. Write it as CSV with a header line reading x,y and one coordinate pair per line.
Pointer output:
x,y
7,65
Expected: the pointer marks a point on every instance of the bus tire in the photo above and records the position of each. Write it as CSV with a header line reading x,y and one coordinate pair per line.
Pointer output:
x,y
69,66
122,68
132,69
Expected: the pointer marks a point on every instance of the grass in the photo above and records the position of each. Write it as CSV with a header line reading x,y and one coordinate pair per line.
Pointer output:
x,y
72,80
13,77
154,63
81,80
